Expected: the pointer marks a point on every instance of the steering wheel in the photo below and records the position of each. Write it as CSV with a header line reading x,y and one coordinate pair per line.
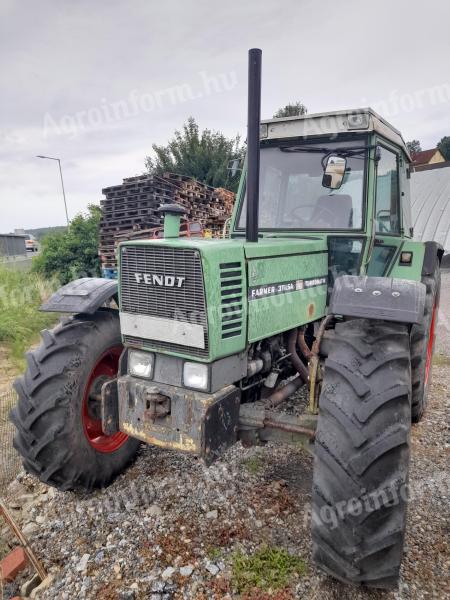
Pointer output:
x,y
321,209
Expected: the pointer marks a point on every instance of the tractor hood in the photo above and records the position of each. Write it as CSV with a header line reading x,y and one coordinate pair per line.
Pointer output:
x,y
206,299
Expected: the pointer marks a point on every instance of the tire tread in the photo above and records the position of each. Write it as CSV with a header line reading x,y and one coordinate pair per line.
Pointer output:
x,y
362,448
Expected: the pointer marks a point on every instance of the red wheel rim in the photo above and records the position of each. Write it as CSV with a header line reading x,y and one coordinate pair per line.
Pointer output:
x,y
430,345
105,368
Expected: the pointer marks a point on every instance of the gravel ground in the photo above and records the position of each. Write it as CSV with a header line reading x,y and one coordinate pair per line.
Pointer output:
x,y
171,528
443,338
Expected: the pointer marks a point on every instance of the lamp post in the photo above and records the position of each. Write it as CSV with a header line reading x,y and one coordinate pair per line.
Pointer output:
x,y
62,182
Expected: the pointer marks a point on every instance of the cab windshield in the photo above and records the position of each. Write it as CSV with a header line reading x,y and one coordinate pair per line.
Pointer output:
x,y
291,194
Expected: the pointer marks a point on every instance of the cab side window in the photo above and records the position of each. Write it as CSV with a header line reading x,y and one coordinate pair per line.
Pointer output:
x,y
387,204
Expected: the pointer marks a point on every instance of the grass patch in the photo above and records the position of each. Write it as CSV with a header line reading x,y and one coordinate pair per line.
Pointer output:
x,y
253,464
269,568
214,553
21,294
441,360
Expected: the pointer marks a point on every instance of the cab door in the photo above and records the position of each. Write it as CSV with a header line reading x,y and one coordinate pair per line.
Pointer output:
x,y
387,211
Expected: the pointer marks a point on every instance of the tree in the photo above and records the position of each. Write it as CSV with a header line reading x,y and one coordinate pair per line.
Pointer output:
x,y
444,147
74,253
294,109
202,155
414,147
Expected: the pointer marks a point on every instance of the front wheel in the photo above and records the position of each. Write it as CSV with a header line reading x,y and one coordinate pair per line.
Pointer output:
x,y
361,459
58,418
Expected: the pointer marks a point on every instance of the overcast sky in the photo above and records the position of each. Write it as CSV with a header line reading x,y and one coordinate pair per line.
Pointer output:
x,y
96,83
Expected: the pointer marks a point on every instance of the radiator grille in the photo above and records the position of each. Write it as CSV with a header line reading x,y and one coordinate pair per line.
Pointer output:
x,y
186,303
231,299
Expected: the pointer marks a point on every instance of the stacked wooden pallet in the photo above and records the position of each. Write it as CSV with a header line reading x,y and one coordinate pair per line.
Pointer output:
x,y
132,207
206,205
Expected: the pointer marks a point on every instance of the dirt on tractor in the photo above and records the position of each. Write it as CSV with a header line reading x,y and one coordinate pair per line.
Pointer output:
x,y
171,528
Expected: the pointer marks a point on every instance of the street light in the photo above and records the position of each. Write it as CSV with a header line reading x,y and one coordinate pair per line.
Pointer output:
x,y
62,182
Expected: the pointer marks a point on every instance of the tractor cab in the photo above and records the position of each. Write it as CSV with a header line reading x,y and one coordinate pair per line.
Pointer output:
x,y
342,177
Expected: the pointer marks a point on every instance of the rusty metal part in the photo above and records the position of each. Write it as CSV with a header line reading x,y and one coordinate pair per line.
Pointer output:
x,y
295,358
305,349
157,406
23,541
199,423
284,392
258,424
315,380
315,374
323,325
291,428
110,407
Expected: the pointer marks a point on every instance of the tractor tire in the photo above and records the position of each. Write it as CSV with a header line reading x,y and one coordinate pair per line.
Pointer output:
x,y
58,422
422,346
361,461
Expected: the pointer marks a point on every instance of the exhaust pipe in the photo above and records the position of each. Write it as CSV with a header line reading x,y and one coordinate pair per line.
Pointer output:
x,y
253,125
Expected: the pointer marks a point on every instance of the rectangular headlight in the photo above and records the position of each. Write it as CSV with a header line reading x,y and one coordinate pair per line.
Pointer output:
x,y
358,120
140,364
195,375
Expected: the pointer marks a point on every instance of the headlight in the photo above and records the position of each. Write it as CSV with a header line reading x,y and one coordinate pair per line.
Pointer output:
x,y
140,364
358,120
195,375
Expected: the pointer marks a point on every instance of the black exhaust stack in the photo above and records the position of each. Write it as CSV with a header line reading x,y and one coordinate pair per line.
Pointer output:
x,y
253,125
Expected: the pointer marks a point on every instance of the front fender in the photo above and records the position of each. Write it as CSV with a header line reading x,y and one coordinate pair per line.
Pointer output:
x,y
385,298
84,295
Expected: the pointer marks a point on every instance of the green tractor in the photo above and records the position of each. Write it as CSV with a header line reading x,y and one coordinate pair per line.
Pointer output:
x,y
194,348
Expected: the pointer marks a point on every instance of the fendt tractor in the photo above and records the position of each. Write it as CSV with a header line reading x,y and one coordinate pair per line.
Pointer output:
x,y
319,283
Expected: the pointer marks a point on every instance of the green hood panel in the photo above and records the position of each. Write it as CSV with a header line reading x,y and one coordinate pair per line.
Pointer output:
x,y
256,290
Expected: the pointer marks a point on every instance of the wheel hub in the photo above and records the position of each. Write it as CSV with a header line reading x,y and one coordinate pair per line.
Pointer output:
x,y
104,370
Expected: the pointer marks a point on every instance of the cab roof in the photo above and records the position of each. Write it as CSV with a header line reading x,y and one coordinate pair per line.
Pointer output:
x,y
357,120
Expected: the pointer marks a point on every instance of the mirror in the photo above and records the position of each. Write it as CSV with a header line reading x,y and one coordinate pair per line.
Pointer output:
x,y
377,154
334,172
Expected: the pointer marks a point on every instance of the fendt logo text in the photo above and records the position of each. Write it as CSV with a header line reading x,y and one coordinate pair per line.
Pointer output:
x,y
161,280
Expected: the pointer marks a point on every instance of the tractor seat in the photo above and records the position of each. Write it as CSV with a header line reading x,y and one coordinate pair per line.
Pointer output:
x,y
336,210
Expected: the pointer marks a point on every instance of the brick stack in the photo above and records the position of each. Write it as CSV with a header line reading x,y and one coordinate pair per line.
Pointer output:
x,y
132,207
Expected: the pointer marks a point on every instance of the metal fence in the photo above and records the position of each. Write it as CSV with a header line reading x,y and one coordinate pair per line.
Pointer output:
x,y
12,245
9,459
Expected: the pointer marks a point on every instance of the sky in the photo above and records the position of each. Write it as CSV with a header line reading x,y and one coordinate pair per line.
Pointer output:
x,y
96,83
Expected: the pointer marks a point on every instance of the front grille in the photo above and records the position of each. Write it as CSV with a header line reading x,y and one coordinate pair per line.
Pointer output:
x,y
186,303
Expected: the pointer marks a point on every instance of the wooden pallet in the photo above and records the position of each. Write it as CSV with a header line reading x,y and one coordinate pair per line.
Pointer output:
x,y
131,206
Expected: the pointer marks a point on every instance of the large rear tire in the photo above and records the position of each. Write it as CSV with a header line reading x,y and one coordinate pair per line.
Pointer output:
x,y
423,337
362,453
57,416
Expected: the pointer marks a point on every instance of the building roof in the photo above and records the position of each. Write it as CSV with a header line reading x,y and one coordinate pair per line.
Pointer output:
x,y
424,156
430,166
430,205
332,123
